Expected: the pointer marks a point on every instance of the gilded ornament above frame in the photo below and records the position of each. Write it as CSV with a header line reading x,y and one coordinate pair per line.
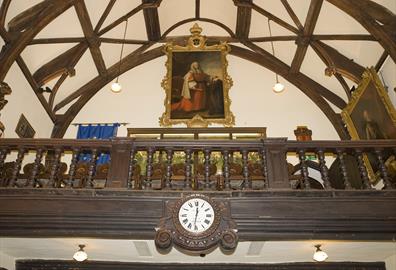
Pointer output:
x,y
370,115
197,83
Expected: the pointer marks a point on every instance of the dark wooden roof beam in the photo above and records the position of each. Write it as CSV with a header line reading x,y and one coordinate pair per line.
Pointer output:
x,y
292,15
92,38
104,15
304,39
3,11
244,18
151,19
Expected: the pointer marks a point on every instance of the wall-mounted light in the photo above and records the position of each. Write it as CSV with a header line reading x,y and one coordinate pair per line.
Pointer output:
x,y
278,87
80,255
116,86
319,254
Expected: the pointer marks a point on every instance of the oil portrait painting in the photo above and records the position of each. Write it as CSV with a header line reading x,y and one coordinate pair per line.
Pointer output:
x,y
197,83
370,115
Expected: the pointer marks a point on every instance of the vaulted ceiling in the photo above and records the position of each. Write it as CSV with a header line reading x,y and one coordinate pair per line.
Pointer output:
x,y
73,46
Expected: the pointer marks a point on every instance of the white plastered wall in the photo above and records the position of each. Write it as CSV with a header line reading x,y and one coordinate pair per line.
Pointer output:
x,y
6,261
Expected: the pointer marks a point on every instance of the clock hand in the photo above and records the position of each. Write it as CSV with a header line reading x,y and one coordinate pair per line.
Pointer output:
x,y
196,215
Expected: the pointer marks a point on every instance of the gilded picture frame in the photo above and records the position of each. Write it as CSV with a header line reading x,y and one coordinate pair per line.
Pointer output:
x,y
370,114
197,83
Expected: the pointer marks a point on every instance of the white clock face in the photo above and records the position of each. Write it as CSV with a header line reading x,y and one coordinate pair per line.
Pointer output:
x,y
196,215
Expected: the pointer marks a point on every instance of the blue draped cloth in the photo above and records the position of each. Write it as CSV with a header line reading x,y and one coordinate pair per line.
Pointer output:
x,y
97,131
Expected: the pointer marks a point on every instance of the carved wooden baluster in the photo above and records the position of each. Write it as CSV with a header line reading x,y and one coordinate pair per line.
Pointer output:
x,y
382,169
226,170
168,174
247,182
188,168
31,182
54,168
91,168
149,167
131,168
363,169
17,167
304,169
324,171
343,169
207,153
72,170
264,167
3,155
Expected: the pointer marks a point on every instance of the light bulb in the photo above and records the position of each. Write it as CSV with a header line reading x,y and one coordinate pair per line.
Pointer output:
x,y
319,255
80,255
278,87
116,87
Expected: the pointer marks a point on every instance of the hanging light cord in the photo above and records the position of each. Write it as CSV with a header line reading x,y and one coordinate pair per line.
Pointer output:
x,y
122,49
272,46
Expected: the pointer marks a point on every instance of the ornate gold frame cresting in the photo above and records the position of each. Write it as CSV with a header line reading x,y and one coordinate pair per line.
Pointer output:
x,y
370,75
197,43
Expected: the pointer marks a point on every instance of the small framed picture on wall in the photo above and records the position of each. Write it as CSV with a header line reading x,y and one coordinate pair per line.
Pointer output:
x,y
24,129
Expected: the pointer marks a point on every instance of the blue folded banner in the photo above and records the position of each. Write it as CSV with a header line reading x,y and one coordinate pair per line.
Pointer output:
x,y
100,132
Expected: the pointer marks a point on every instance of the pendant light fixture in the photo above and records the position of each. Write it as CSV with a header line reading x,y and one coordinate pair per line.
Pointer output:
x,y
80,255
319,254
116,86
278,87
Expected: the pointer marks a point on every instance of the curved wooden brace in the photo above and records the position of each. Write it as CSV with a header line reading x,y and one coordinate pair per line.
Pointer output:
x,y
173,27
338,63
24,19
63,63
13,49
3,11
306,85
363,11
91,88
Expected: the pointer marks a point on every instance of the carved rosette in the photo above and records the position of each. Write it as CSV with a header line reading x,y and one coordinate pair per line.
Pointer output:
x,y
221,233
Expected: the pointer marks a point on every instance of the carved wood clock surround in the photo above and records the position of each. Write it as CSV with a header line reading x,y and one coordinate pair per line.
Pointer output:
x,y
196,224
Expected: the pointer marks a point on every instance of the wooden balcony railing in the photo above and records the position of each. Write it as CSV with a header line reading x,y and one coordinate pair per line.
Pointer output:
x,y
170,164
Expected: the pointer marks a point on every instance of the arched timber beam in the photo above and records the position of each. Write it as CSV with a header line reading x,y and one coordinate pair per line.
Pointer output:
x,y
13,49
368,13
221,25
91,88
308,86
3,11
87,91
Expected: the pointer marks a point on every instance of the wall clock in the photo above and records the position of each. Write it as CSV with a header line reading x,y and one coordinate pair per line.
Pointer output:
x,y
196,224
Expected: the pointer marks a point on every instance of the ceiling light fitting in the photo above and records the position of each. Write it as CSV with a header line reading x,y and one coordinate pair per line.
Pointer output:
x,y
319,254
80,255
278,87
116,86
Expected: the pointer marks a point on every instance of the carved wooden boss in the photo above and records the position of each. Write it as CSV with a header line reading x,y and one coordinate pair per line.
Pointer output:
x,y
196,224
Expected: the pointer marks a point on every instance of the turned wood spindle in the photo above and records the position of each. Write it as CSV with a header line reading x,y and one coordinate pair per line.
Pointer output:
x,y
263,157
168,174
247,183
343,169
54,168
324,171
188,168
72,170
363,169
149,167
304,169
17,167
31,182
131,168
226,170
207,153
91,168
382,169
3,154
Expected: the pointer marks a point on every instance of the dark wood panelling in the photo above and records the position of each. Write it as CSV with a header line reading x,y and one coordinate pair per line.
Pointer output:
x,y
368,215
96,265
